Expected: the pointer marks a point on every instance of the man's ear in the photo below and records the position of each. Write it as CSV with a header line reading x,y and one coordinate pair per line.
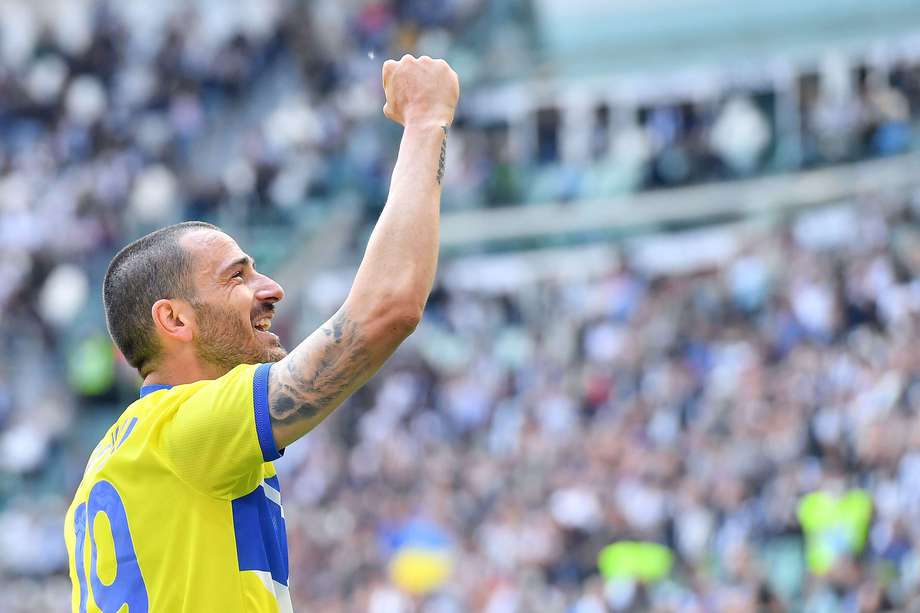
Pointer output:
x,y
173,319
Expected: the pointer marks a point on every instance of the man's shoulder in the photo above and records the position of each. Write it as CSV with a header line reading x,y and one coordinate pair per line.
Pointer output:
x,y
168,394
141,415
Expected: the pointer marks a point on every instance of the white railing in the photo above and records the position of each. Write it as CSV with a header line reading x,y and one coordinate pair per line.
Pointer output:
x,y
691,205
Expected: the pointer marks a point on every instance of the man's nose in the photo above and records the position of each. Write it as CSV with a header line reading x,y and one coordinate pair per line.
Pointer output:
x,y
268,290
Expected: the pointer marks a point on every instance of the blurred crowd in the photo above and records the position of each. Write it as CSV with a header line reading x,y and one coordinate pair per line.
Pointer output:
x,y
535,425
521,430
530,422
841,112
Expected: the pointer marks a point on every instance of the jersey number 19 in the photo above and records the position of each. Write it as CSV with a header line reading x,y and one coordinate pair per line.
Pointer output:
x,y
127,587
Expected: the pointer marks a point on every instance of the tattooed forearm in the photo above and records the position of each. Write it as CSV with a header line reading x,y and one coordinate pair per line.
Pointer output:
x,y
443,155
318,375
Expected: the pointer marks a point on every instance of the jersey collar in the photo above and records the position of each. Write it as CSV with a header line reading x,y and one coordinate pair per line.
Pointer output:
x,y
149,389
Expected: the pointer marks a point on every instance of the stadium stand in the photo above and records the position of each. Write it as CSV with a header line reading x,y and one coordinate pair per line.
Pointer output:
x,y
681,388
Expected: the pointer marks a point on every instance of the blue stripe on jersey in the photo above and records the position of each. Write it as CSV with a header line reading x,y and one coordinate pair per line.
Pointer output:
x,y
127,430
79,528
273,481
261,538
153,387
263,421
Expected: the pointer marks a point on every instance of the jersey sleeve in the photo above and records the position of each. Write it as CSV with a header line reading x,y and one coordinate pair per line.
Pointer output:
x,y
220,435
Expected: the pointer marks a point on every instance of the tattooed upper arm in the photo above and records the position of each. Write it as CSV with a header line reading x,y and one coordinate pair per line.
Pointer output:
x,y
383,308
320,373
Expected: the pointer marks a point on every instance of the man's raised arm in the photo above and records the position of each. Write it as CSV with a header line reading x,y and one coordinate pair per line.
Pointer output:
x,y
392,285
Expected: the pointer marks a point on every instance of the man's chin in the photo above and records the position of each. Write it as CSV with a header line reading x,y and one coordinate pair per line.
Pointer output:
x,y
274,354
227,363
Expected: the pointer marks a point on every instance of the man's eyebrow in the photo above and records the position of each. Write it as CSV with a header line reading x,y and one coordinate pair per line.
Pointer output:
x,y
241,261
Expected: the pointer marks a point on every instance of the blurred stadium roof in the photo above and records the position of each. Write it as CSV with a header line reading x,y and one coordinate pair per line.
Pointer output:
x,y
589,37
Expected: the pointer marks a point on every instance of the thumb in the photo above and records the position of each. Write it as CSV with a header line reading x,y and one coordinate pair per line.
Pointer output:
x,y
388,112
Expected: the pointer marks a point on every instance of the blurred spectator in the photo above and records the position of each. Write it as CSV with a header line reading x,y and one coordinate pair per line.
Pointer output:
x,y
739,135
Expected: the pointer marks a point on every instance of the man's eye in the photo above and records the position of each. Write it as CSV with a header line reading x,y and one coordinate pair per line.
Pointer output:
x,y
238,275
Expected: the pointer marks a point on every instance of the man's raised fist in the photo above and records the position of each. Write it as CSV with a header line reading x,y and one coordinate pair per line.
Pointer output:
x,y
420,91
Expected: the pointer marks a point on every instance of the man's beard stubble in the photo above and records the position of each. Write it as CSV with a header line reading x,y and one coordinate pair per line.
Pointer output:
x,y
223,341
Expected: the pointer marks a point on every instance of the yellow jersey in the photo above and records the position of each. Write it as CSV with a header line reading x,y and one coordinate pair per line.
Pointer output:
x,y
179,509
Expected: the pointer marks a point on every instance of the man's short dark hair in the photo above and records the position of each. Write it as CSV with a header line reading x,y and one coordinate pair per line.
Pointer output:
x,y
152,267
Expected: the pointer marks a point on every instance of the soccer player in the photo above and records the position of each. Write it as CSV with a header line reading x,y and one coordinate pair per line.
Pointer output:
x,y
179,509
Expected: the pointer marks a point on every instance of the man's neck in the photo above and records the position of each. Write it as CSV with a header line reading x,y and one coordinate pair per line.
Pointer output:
x,y
188,373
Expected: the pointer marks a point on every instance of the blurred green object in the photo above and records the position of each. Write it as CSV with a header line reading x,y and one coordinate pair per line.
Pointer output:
x,y
635,560
90,367
834,526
